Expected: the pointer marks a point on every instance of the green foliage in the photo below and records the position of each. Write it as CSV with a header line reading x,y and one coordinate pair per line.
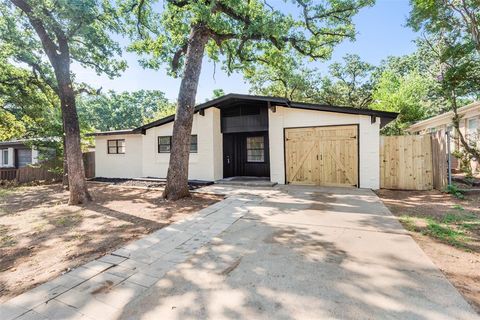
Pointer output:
x,y
465,159
217,93
445,233
406,94
455,191
241,33
284,77
349,83
115,111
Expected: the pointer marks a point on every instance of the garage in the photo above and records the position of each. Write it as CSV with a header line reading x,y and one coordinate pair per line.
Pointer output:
x,y
322,155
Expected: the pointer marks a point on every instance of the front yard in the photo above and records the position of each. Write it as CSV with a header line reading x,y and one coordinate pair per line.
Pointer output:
x,y
41,237
448,231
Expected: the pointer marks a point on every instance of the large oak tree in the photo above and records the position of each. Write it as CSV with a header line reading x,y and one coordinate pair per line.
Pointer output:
x,y
47,36
238,33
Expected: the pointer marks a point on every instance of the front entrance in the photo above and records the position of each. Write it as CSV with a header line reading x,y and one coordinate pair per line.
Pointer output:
x,y
246,154
326,156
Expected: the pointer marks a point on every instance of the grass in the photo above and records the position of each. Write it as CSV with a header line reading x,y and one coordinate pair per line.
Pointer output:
x,y
452,228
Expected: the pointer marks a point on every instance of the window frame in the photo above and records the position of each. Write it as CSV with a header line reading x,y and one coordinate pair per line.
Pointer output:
x,y
116,147
170,144
4,159
247,149
194,144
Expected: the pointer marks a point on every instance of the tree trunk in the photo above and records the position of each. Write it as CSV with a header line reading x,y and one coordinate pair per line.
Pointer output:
x,y
473,151
73,152
177,176
59,56
65,164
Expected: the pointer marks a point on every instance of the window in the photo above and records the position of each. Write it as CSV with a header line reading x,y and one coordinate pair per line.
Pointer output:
x,y
116,146
5,157
193,144
255,149
472,126
165,144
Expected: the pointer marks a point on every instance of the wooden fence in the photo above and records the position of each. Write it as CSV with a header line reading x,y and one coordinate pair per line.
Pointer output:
x,y
44,171
30,173
89,164
416,162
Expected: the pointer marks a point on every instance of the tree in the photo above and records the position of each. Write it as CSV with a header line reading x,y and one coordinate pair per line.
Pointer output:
x,y
284,76
115,111
61,32
238,33
451,40
349,83
405,94
217,93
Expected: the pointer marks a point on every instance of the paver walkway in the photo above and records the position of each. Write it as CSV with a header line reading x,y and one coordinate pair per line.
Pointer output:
x,y
278,253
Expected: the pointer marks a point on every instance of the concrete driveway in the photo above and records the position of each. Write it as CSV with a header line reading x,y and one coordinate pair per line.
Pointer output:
x,y
278,253
306,253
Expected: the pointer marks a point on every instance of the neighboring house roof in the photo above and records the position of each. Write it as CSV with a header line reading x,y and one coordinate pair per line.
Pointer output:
x,y
444,118
385,116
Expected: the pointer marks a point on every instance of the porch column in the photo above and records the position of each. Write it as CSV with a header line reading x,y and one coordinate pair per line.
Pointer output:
x,y
11,157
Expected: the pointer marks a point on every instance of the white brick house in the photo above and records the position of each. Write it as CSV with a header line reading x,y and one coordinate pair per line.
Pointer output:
x,y
244,135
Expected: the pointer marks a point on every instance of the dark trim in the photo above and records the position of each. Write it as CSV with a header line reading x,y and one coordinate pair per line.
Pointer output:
x,y
170,143
116,146
385,116
264,145
111,133
325,126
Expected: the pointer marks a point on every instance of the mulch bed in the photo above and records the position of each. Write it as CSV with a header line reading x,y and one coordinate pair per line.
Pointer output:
x,y
149,182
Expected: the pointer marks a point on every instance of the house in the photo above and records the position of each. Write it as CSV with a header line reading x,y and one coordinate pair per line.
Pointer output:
x,y
17,154
469,126
245,135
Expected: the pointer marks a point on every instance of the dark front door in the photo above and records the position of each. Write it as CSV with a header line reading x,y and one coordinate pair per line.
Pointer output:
x,y
228,155
246,154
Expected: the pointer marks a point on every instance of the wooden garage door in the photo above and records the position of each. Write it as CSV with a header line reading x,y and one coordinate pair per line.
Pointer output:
x,y
326,156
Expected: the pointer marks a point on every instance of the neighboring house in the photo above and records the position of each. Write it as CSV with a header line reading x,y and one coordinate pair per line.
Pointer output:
x,y
17,154
469,126
244,135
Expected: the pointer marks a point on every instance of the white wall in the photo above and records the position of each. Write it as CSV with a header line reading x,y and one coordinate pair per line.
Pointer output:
x,y
206,164
288,118
127,165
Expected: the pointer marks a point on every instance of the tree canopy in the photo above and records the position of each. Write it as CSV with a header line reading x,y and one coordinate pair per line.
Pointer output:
x,y
115,111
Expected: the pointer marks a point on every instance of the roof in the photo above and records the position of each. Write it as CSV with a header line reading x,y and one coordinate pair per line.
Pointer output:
x,y
18,142
446,117
112,132
385,116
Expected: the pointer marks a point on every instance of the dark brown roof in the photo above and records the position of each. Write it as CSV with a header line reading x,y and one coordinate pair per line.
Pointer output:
x,y
385,116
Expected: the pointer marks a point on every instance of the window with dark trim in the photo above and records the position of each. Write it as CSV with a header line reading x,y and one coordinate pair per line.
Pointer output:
x,y
165,144
5,157
193,144
255,149
116,146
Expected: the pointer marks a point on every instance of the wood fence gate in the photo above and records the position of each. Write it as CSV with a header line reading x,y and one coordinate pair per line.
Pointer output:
x,y
416,162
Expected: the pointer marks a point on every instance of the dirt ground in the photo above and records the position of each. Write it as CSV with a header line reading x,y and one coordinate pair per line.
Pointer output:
x,y
448,231
41,237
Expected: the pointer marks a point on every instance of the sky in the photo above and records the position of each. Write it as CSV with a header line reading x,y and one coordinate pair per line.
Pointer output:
x,y
381,32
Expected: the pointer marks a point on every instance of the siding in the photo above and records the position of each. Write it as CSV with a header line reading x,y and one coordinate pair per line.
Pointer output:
x,y
206,164
128,165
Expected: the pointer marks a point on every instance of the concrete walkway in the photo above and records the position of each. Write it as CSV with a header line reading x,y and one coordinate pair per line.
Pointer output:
x,y
277,253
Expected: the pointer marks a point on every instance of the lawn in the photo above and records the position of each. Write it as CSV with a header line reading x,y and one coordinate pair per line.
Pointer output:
x,y
448,231
41,237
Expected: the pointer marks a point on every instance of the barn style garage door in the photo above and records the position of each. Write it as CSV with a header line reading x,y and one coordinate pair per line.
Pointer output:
x,y
326,156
